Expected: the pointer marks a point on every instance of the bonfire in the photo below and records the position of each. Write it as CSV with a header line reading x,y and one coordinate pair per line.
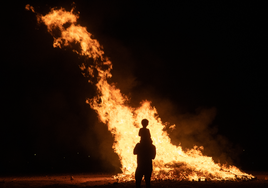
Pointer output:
x,y
123,121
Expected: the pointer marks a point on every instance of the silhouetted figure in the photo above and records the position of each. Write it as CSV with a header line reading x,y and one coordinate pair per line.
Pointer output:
x,y
144,132
145,152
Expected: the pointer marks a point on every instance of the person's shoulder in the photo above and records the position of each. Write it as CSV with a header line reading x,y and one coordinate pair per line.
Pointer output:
x,y
138,144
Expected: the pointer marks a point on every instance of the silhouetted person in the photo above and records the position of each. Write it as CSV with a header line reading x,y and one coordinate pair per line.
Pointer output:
x,y
145,152
144,132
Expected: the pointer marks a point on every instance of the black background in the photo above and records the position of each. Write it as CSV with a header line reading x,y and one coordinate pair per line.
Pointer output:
x,y
193,55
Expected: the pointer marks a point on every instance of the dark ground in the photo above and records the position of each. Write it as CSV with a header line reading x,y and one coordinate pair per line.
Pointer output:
x,y
105,180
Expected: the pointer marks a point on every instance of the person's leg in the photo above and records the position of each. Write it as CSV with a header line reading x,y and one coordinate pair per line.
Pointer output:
x,y
138,177
148,179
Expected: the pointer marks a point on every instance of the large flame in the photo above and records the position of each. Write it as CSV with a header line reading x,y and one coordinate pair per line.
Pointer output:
x,y
123,122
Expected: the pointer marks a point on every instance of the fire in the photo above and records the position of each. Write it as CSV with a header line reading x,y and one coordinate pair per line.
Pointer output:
x,y
123,121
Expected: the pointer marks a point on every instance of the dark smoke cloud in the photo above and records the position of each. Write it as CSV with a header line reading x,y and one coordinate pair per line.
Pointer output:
x,y
194,126
197,129
123,64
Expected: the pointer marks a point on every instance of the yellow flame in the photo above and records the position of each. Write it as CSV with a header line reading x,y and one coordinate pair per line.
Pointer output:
x,y
123,122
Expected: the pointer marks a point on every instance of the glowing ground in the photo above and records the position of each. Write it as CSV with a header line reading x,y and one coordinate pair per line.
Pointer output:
x,y
106,180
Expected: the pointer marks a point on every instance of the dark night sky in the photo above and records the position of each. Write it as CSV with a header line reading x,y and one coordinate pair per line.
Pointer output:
x,y
189,55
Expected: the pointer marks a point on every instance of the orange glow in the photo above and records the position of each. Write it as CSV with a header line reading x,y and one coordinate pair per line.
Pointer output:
x,y
123,121
28,7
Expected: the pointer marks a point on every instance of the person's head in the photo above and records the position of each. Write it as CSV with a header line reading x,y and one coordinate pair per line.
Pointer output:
x,y
145,123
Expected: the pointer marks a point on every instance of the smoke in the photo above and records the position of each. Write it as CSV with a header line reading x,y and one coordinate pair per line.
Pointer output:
x,y
197,128
123,62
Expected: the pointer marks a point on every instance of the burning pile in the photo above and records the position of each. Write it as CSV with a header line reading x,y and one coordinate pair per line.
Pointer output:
x,y
123,122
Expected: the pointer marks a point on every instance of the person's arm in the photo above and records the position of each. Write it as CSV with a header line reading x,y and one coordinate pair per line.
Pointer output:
x,y
149,133
153,151
135,151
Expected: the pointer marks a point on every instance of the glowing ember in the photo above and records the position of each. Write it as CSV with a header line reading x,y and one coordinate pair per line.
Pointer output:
x,y
123,122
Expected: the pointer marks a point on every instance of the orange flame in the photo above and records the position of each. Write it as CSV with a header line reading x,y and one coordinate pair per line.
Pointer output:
x,y
29,7
123,122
